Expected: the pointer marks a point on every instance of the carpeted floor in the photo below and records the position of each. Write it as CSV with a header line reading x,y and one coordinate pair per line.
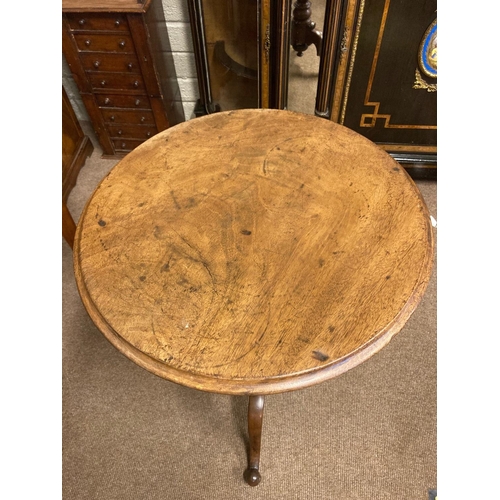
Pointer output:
x,y
369,434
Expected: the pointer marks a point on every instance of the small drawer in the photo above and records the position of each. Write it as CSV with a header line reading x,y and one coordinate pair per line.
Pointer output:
x,y
120,63
123,101
117,82
95,22
129,116
105,43
126,145
124,131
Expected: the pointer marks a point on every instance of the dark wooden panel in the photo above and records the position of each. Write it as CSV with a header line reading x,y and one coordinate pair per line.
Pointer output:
x,y
76,147
382,102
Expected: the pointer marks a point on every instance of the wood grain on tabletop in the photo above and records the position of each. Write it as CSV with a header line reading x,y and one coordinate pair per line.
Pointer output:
x,y
253,251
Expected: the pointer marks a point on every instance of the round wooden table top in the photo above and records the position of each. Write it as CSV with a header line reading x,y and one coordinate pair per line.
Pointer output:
x,y
253,252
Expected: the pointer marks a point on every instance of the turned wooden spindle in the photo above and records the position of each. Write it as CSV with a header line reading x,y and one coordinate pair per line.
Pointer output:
x,y
255,414
303,32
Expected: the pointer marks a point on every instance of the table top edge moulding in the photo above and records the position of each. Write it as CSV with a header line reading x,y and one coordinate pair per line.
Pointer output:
x,y
303,316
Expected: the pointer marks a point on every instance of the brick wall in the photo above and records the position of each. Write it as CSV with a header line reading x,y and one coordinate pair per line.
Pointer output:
x,y
179,33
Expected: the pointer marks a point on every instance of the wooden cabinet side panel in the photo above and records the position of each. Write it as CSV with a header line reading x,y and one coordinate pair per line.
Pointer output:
x,y
76,146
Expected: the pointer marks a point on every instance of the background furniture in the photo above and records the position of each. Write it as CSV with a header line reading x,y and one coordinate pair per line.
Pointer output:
x,y
117,51
248,260
76,147
377,67
241,50
378,76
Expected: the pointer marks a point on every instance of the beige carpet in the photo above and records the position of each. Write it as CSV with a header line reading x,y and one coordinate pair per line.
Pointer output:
x,y
369,434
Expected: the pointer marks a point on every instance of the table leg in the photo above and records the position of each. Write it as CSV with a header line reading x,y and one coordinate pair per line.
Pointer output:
x,y
255,414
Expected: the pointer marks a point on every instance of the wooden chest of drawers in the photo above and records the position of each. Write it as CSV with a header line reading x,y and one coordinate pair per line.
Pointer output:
x,y
119,55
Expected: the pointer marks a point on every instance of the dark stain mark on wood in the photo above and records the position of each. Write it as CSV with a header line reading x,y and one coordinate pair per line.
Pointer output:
x,y
141,204
302,185
246,232
191,203
142,278
321,262
331,328
320,356
101,223
396,169
175,200
388,277
165,267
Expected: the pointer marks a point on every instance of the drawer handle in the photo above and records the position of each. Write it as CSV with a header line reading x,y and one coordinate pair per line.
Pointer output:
x,y
136,84
143,119
123,145
117,23
148,134
87,43
130,65
103,83
81,22
97,64
107,100
122,44
137,102
112,118
120,132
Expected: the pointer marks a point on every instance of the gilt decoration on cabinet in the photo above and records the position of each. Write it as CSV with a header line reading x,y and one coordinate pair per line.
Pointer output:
x,y
386,52
427,60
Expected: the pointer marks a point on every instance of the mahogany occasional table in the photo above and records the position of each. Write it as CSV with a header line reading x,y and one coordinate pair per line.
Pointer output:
x,y
253,252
